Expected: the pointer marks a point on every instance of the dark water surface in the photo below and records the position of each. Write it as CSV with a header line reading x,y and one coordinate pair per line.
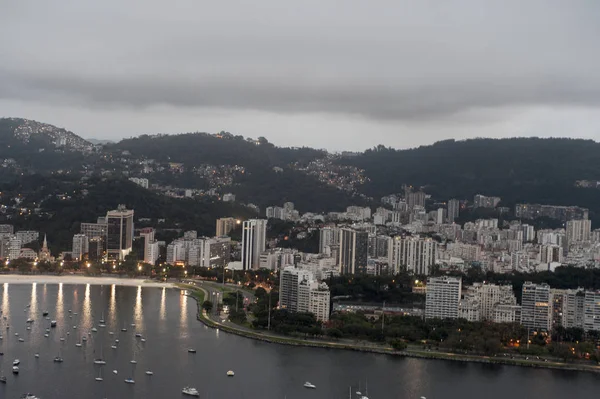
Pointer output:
x,y
167,320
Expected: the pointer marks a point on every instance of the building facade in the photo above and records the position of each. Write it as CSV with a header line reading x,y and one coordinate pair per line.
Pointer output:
x,y
443,297
254,237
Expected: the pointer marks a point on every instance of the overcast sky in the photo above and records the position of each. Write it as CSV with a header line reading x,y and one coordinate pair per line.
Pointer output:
x,y
329,74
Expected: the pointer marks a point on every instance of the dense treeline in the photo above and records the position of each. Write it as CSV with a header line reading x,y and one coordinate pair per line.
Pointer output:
x,y
391,289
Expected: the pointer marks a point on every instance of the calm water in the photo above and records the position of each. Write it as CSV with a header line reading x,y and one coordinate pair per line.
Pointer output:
x,y
167,320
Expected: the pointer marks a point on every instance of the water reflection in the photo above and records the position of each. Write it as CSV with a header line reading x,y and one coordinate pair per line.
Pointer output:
x,y
183,312
86,309
137,310
163,301
33,301
5,303
60,306
112,305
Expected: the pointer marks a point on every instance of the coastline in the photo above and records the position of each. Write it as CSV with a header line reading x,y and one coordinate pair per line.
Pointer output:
x,y
77,279
259,336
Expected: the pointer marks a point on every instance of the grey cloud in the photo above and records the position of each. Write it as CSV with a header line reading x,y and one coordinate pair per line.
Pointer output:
x,y
405,61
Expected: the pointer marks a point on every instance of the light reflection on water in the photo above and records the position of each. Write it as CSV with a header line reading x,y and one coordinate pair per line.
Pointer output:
x,y
60,306
163,301
112,305
34,303
86,310
183,300
5,302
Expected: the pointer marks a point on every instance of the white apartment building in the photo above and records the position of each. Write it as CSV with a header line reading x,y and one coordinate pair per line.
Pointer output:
x,y
140,181
254,237
536,306
491,295
591,311
14,248
506,313
328,236
443,297
413,254
469,309
578,231
573,308
27,236
224,226
80,246
299,292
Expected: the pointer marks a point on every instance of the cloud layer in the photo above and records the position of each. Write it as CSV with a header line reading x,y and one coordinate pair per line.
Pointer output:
x,y
404,72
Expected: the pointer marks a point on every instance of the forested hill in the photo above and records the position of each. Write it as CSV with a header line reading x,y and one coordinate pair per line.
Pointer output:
x,y
516,169
224,148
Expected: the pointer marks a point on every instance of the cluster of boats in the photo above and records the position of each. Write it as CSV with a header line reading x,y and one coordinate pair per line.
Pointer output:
x,y
100,361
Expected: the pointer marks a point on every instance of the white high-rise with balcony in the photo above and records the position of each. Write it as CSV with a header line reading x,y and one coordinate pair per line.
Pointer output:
x,y
443,297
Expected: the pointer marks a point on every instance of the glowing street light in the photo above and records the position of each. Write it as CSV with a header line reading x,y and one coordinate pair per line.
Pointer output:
x,y
88,265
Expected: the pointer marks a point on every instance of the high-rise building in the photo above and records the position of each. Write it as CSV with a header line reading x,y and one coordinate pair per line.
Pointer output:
x,y
491,295
579,231
254,237
96,248
354,249
80,246
224,226
119,232
415,199
6,229
150,245
443,297
573,305
14,248
536,306
528,233
413,254
94,229
506,313
300,292
328,236
453,210
591,311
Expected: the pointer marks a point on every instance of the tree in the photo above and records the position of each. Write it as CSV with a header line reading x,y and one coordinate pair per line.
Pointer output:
x,y
207,306
398,344
334,333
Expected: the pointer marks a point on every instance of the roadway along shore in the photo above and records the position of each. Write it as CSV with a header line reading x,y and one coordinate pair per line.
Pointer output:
x,y
78,279
200,293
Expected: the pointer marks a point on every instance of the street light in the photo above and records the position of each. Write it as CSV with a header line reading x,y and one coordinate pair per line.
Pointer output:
x,y
88,265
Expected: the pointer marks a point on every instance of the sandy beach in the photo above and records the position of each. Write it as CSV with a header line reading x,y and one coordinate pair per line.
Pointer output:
x,y
74,279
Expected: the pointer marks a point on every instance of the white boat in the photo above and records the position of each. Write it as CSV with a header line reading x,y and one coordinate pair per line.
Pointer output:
x,y
102,325
132,324
190,391
37,355
16,362
111,333
114,346
130,381
102,321
191,350
16,334
115,372
74,327
15,369
149,372
21,340
62,338
133,361
143,339
309,385
29,396
29,321
138,335
78,344
230,373
99,361
94,329
99,378
28,328
46,335
58,359
53,323
3,379
84,338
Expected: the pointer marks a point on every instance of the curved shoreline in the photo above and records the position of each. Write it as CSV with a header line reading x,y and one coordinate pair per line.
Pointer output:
x,y
385,351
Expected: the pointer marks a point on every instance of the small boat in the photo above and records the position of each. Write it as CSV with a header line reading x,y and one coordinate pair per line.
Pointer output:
x,y
149,372
84,338
130,381
3,379
94,329
138,335
46,335
75,314
230,373
132,324
190,391
28,328
192,350
115,372
102,325
16,362
28,306
45,313
111,333
143,339
15,369
99,378
70,310
1,337
133,361
16,334
68,333
309,385
62,338
29,321
102,321
47,330
37,355
58,359
74,327
117,341
53,323
29,396
114,346
124,329
99,361
21,340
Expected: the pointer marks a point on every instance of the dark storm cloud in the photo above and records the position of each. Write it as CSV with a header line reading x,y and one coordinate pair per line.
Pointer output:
x,y
413,61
